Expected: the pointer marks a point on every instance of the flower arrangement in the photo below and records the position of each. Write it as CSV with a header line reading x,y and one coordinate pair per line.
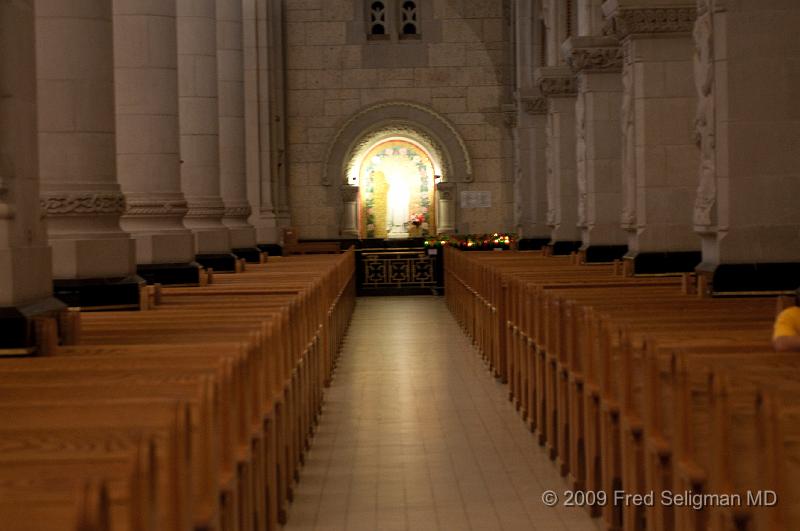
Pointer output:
x,y
416,219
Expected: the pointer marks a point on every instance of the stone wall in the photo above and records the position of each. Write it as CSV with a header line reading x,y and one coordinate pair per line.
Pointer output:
x,y
459,67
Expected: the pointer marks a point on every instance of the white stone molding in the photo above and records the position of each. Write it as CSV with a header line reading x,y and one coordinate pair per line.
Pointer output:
x,y
445,193
626,21
398,114
705,126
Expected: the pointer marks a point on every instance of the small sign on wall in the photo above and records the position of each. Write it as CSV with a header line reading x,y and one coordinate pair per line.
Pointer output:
x,y
474,199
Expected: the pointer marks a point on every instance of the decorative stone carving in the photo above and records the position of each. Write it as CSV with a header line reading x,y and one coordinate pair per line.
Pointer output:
x,y
535,105
446,190
628,218
446,222
205,210
704,116
385,112
82,204
238,212
372,138
176,209
550,161
595,59
580,157
558,86
627,21
349,193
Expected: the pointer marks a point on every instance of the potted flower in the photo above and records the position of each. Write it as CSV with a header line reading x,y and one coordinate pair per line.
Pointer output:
x,y
415,220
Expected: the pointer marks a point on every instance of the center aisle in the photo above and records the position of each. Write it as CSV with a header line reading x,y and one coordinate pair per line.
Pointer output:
x,y
415,434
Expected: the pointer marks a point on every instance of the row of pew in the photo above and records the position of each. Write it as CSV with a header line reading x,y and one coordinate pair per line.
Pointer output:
x,y
638,385
192,415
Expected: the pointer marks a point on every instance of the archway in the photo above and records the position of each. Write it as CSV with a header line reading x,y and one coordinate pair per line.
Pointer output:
x,y
442,153
395,177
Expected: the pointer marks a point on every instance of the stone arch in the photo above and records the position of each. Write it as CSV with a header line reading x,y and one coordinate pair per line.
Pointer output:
x,y
403,118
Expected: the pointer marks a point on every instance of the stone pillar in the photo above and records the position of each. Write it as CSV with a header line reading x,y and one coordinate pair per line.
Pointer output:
x,y
446,213
230,86
746,128
597,63
148,164
94,261
261,158
659,158
199,129
557,84
532,170
350,212
25,266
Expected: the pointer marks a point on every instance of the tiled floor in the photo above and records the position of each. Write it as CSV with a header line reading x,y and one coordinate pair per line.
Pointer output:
x,y
417,435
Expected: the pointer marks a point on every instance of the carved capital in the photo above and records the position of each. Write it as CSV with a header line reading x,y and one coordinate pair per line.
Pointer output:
x,y
83,204
535,105
446,190
593,54
624,22
556,82
349,193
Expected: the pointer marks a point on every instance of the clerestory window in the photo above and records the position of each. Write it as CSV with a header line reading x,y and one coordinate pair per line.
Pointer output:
x,y
392,19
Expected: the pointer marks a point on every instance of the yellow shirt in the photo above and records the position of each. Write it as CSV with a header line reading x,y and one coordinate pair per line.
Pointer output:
x,y
787,323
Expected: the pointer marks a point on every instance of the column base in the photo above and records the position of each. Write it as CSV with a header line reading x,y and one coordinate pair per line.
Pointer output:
x,y
219,262
251,255
742,278
651,263
272,249
604,253
564,247
532,244
16,327
100,293
186,273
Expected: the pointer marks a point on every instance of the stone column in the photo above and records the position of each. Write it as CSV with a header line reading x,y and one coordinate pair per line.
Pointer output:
x,y
446,214
557,84
25,266
659,158
199,132
148,164
230,86
350,212
258,124
94,261
746,127
597,63
533,168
